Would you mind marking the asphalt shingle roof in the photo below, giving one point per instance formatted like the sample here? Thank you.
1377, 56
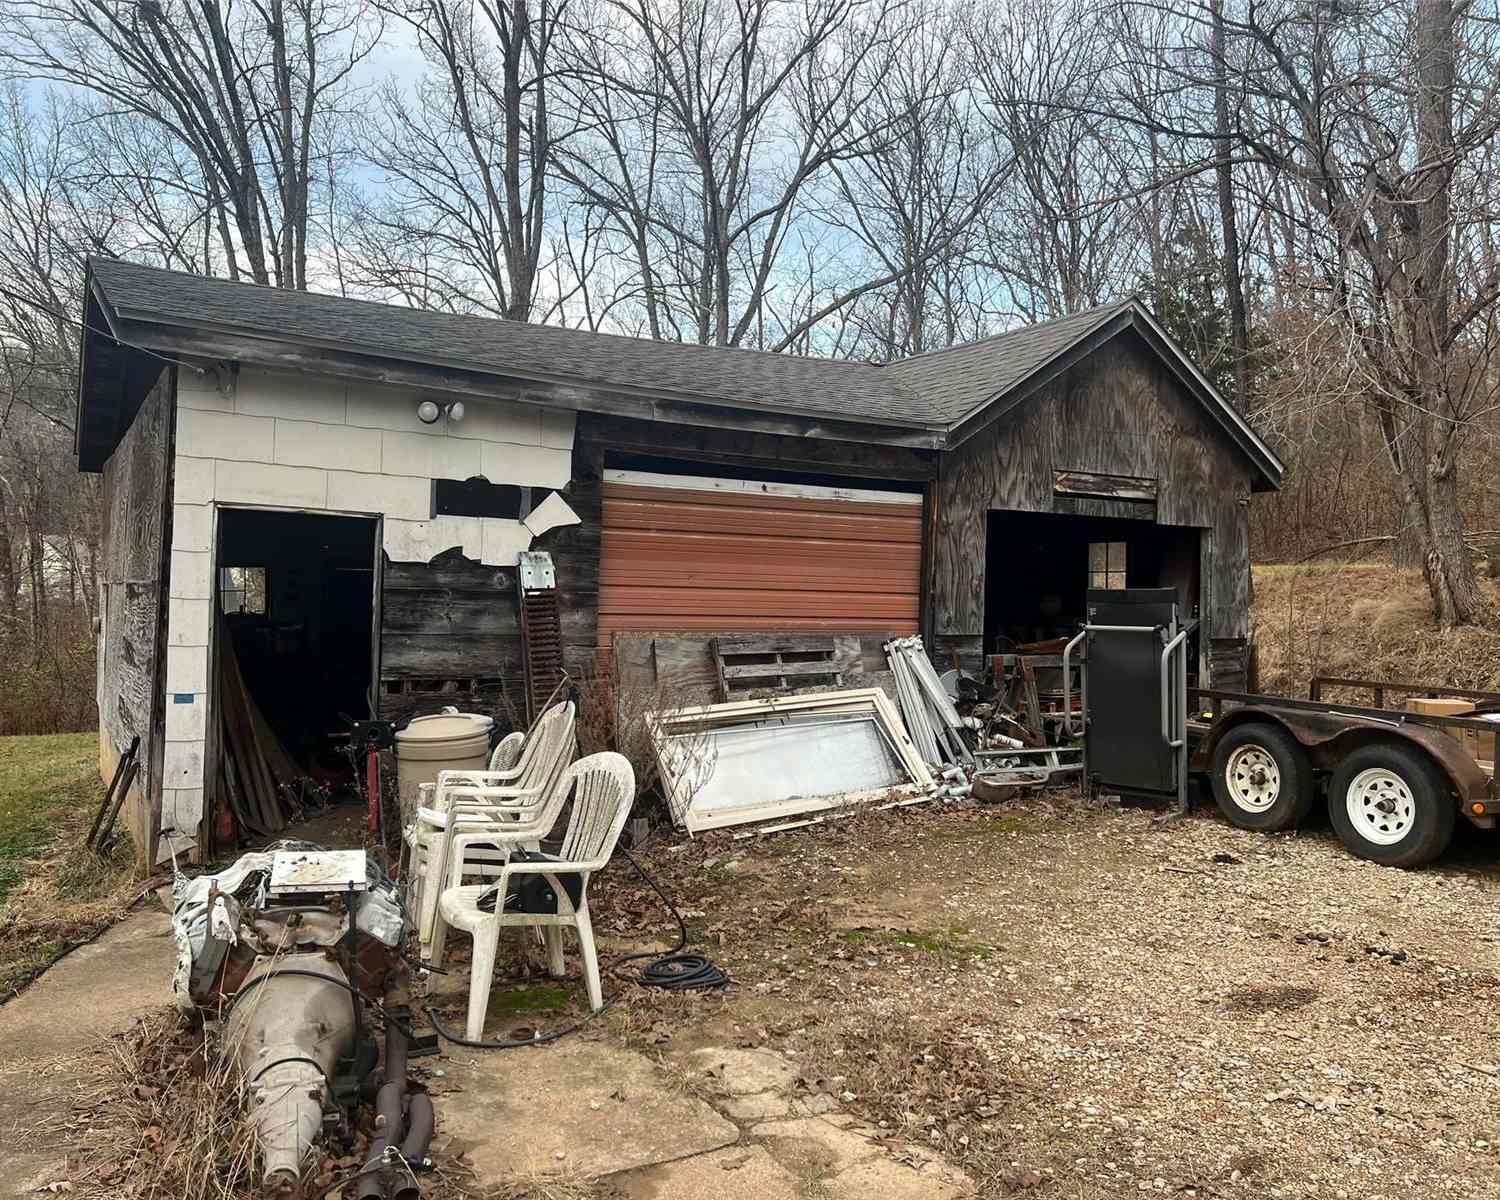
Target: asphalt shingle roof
932, 392
961, 379
756, 379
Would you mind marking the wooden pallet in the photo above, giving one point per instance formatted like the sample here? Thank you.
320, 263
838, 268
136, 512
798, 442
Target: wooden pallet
776, 661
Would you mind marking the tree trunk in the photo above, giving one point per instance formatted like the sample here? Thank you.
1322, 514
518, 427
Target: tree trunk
1234, 286
1433, 477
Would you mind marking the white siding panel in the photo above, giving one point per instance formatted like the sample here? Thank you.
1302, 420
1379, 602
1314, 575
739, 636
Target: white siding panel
312, 444
203, 434
192, 480
190, 575
529, 466
429, 455
557, 428
192, 527
494, 421
406, 498
295, 396
262, 483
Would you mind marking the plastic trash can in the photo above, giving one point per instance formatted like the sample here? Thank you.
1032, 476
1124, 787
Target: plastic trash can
441, 742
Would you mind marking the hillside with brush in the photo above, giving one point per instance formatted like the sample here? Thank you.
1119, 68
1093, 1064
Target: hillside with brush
1366, 621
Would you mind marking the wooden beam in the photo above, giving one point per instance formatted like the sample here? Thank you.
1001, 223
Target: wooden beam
1105, 487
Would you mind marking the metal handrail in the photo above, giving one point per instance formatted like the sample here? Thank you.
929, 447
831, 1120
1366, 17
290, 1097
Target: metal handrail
1067, 675
1166, 706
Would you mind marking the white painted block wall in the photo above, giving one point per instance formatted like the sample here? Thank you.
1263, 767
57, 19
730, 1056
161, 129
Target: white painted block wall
284, 440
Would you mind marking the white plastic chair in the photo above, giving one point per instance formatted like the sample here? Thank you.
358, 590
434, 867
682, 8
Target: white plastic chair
507, 751
448, 837
602, 787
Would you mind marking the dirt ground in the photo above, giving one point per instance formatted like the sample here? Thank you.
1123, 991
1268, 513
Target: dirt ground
1075, 1001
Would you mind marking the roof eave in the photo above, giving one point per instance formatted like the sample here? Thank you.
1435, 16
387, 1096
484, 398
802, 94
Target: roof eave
210, 342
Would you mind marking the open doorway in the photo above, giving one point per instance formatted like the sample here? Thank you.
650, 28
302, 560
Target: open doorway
297, 595
1039, 568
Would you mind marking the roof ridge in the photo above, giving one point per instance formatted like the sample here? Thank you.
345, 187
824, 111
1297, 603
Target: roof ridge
1095, 310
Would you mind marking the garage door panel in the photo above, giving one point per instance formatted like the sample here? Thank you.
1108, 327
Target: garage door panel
686, 601
776, 522
893, 503
746, 562
680, 559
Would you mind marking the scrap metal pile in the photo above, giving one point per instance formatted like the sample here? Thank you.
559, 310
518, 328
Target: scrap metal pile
785, 757
285, 948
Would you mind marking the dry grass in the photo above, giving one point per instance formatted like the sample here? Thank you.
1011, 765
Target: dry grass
1364, 621
164, 1119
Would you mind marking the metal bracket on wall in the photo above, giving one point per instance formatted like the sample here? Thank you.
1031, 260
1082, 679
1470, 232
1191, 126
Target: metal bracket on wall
541, 629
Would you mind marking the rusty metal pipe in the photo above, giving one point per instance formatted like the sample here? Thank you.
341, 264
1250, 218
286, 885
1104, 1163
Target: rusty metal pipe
375, 1179
420, 1122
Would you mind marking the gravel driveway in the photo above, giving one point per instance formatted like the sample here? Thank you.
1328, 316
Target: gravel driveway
1071, 1000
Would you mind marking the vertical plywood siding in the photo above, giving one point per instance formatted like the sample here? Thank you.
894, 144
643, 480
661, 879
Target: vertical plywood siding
1119, 412
680, 559
135, 512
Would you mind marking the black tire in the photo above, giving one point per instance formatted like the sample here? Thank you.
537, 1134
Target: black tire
1421, 808
1262, 778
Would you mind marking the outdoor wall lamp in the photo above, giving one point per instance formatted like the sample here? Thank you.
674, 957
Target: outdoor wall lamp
429, 411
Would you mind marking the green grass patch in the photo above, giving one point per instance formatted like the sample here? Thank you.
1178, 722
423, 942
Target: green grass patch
49, 792
524, 1001
45, 781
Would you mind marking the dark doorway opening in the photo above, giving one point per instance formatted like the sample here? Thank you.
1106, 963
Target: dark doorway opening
297, 593
1039, 567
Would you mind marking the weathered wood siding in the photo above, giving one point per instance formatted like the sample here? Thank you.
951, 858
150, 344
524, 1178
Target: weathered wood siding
454, 621
1119, 412
133, 539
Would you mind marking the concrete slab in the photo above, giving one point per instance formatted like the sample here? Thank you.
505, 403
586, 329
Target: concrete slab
814, 1147
893, 1180
48, 1032
578, 1106
97, 990
743, 1072
763, 1106
739, 1170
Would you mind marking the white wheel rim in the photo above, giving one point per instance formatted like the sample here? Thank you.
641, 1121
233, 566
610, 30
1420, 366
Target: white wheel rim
1380, 806
1252, 778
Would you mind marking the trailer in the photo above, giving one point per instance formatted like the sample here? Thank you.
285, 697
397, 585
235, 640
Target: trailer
1395, 781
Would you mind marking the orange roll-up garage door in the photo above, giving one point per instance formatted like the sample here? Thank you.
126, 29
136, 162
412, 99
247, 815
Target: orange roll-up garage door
682, 554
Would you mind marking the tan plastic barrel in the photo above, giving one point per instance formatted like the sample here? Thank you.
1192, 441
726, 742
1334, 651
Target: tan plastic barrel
440, 742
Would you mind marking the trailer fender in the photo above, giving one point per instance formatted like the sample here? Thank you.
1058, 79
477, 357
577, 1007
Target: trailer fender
1329, 736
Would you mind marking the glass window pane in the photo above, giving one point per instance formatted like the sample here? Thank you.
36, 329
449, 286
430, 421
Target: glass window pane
1116, 579
1097, 559
1117, 556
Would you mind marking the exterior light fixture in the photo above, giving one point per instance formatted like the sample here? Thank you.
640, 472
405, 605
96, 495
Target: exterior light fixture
428, 412
456, 411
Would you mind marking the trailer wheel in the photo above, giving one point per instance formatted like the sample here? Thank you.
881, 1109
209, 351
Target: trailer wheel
1262, 778
1390, 804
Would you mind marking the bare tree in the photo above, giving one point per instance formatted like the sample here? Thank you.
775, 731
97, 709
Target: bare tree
708, 125
915, 205
1375, 126
462, 219
251, 92
1072, 227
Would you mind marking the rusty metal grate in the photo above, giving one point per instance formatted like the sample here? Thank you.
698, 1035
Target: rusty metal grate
541, 638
